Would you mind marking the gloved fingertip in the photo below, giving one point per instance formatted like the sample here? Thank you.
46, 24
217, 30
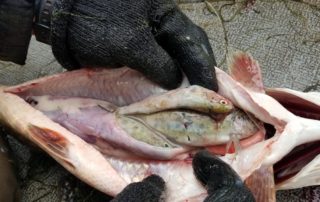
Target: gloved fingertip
188, 44
148, 190
155, 180
212, 171
230, 193
201, 166
222, 182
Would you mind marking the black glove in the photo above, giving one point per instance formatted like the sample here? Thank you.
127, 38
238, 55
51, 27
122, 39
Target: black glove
16, 18
149, 190
151, 36
222, 182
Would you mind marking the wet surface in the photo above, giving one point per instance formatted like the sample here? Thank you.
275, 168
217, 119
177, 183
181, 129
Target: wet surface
284, 36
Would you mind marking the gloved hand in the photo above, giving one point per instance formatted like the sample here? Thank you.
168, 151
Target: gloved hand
149, 190
223, 183
151, 36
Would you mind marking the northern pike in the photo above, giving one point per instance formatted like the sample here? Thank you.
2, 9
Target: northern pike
113, 127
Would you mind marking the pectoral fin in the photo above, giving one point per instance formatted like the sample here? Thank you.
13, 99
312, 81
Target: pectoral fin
261, 184
244, 69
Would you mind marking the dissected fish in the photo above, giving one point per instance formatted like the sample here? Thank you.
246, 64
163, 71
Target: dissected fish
106, 140
113, 127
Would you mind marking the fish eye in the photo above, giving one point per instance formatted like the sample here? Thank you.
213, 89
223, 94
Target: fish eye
223, 102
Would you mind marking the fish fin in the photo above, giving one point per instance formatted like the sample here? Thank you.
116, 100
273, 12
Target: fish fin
52, 142
261, 184
244, 69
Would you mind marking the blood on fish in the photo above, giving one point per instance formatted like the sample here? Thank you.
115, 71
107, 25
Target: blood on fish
49, 137
56, 143
47, 134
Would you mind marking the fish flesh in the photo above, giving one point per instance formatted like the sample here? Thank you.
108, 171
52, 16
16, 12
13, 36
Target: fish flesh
144, 129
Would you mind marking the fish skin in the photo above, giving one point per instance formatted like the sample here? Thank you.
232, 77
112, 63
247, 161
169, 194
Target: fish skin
194, 97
